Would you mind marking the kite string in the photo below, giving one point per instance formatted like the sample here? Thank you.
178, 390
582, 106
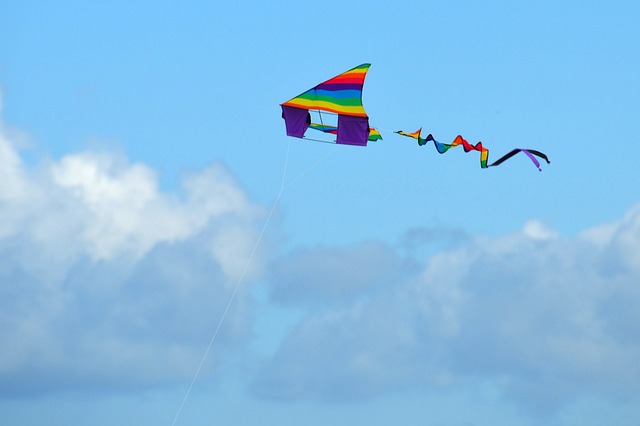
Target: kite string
304, 172
284, 172
235, 291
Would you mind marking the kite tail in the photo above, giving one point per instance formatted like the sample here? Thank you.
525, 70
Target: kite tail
459, 140
531, 153
484, 152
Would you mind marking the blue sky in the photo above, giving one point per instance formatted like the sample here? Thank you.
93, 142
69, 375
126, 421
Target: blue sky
145, 177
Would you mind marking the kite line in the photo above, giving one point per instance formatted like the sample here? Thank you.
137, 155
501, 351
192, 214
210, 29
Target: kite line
283, 187
235, 291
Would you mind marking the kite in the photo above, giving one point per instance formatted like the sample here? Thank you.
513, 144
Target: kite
484, 152
341, 95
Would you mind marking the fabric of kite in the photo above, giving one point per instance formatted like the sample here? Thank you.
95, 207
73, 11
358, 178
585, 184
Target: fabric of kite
484, 152
341, 95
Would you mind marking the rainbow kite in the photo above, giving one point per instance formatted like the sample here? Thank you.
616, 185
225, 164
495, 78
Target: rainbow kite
342, 96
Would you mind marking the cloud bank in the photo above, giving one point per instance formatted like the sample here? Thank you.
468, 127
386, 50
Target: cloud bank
108, 282
545, 320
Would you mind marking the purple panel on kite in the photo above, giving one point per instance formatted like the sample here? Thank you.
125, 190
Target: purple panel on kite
297, 120
353, 130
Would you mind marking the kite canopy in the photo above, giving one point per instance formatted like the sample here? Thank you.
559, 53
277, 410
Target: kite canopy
341, 95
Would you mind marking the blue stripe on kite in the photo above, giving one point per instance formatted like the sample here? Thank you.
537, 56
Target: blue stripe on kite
342, 94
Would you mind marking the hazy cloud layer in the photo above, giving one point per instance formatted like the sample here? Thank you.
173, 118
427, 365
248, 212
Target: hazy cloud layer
544, 319
106, 281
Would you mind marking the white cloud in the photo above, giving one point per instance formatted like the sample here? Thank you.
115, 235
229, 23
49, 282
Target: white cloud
543, 318
107, 281
538, 231
127, 214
